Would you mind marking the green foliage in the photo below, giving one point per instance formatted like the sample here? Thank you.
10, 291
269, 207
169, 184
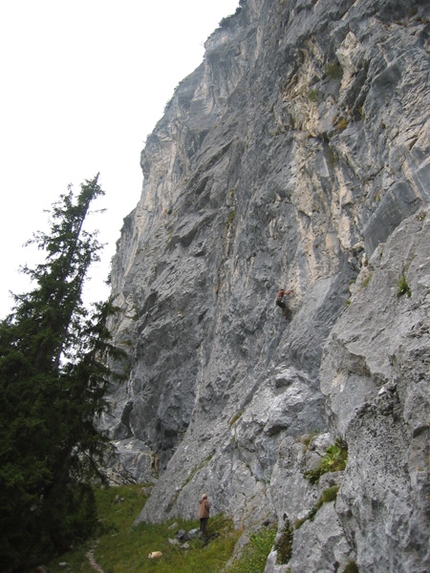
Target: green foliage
284, 543
230, 220
366, 281
351, 567
313, 95
299, 522
52, 383
167, 105
334, 71
332, 157
254, 556
122, 548
403, 287
306, 440
194, 471
228, 20
334, 460
327, 495
235, 418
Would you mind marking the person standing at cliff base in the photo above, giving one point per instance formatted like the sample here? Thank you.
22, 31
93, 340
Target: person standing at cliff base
279, 301
203, 511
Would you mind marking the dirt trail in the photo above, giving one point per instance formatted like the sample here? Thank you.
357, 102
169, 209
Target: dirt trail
93, 563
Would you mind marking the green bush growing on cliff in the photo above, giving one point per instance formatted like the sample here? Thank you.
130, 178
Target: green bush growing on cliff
366, 281
334, 460
334, 71
327, 495
230, 220
313, 95
351, 567
403, 287
254, 555
284, 543
227, 21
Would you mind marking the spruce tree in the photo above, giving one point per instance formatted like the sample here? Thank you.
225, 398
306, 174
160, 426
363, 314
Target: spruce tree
53, 379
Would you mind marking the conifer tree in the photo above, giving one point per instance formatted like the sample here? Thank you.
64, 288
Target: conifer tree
53, 378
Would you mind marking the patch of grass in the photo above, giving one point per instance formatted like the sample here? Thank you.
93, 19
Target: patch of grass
150, 537
332, 157
366, 281
254, 556
306, 440
299, 522
230, 220
334, 460
334, 71
124, 549
351, 567
76, 560
200, 466
235, 418
327, 495
313, 95
284, 544
403, 287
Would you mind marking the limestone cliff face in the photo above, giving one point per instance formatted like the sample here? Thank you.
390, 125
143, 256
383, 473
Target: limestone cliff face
296, 156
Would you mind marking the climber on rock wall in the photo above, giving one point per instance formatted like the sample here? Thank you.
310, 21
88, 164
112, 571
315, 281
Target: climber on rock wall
279, 301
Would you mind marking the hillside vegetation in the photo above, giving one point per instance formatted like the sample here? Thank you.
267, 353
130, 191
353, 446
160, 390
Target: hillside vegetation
121, 548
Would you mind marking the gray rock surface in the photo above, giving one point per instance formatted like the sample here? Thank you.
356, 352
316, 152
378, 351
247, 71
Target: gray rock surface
296, 156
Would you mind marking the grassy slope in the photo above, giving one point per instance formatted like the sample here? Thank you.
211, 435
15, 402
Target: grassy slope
123, 549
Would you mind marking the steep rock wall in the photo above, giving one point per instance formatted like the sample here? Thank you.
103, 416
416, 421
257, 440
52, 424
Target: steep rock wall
290, 157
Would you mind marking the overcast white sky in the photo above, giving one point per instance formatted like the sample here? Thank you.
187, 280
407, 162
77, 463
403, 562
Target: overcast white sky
83, 82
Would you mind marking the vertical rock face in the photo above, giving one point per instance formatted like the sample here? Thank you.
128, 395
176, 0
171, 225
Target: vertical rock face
296, 156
